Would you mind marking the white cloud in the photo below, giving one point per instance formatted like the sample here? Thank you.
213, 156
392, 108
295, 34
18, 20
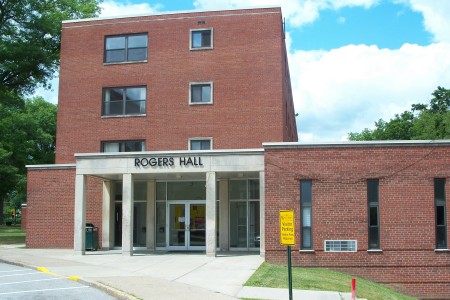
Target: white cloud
347, 89
436, 16
112, 8
296, 12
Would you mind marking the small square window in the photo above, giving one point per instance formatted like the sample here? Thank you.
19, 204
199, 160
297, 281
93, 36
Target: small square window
201, 93
201, 39
200, 144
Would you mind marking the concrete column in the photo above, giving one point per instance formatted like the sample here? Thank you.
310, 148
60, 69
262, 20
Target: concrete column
127, 215
106, 215
80, 215
211, 214
224, 234
112, 215
262, 214
151, 198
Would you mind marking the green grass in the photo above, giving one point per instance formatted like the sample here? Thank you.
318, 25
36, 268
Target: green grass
11, 235
274, 276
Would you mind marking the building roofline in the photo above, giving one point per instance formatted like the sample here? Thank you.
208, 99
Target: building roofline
358, 144
51, 167
166, 13
259, 151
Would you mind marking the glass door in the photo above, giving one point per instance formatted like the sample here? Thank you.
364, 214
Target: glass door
177, 225
197, 226
187, 226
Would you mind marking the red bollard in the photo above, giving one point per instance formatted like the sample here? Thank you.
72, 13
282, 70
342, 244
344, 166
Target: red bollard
353, 289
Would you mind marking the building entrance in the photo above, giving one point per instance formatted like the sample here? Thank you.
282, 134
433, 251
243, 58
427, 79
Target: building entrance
187, 224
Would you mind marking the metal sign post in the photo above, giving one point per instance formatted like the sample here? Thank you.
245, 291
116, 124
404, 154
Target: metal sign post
287, 237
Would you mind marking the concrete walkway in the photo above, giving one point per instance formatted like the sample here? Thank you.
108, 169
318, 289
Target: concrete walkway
153, 275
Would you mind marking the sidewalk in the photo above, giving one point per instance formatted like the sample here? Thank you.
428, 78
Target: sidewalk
154, 275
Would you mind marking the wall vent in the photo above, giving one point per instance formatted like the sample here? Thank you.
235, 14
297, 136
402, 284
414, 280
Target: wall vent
340, 245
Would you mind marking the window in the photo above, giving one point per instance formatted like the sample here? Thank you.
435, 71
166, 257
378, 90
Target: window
200, 144
441, 222
200, 93
201, 39
340, 246
373, 213
306, 214
123, 146
124, 101
126, 48
244, 213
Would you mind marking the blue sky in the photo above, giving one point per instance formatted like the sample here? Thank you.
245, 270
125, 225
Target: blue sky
352, 61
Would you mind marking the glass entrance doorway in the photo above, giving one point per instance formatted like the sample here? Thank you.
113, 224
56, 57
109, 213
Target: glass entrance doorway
187, 225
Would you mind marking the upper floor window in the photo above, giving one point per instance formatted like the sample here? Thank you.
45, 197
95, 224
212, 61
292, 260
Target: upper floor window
123, 101
200, 144
201, 39
123, 146
126, 48
200, 93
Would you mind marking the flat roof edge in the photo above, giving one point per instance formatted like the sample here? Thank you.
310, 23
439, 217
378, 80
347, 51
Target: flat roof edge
51, 167
258, 151
167, 13
360, 144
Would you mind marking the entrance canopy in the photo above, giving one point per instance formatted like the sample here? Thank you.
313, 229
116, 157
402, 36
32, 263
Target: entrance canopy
210, 166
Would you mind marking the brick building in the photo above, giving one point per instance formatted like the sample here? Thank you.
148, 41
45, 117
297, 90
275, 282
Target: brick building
151, 110
372, 209
160, 132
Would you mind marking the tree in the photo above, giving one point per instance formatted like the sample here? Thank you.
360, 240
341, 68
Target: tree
30, 35
424, 122
28, 137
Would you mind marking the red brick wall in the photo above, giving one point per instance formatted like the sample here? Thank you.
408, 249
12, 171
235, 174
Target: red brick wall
23, 218
339, 194
246, 67
50, 207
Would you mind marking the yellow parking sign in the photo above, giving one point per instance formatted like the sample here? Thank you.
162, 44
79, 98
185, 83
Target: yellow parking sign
287, 232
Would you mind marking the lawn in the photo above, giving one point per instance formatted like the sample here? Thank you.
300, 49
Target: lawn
11, 235
274, 276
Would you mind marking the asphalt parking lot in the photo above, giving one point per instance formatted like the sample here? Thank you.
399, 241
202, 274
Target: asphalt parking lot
25, 283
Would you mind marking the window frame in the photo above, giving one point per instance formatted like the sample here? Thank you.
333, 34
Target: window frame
206, 83
126, 48
304, 205
121, 145
124, 102
440, 202
191, 39
210, 139
373, 204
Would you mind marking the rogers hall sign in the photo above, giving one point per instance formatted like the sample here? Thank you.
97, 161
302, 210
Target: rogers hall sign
183, 161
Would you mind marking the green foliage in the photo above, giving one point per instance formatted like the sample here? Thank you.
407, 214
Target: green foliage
27, 137
274, 276
30, 35
424, 122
